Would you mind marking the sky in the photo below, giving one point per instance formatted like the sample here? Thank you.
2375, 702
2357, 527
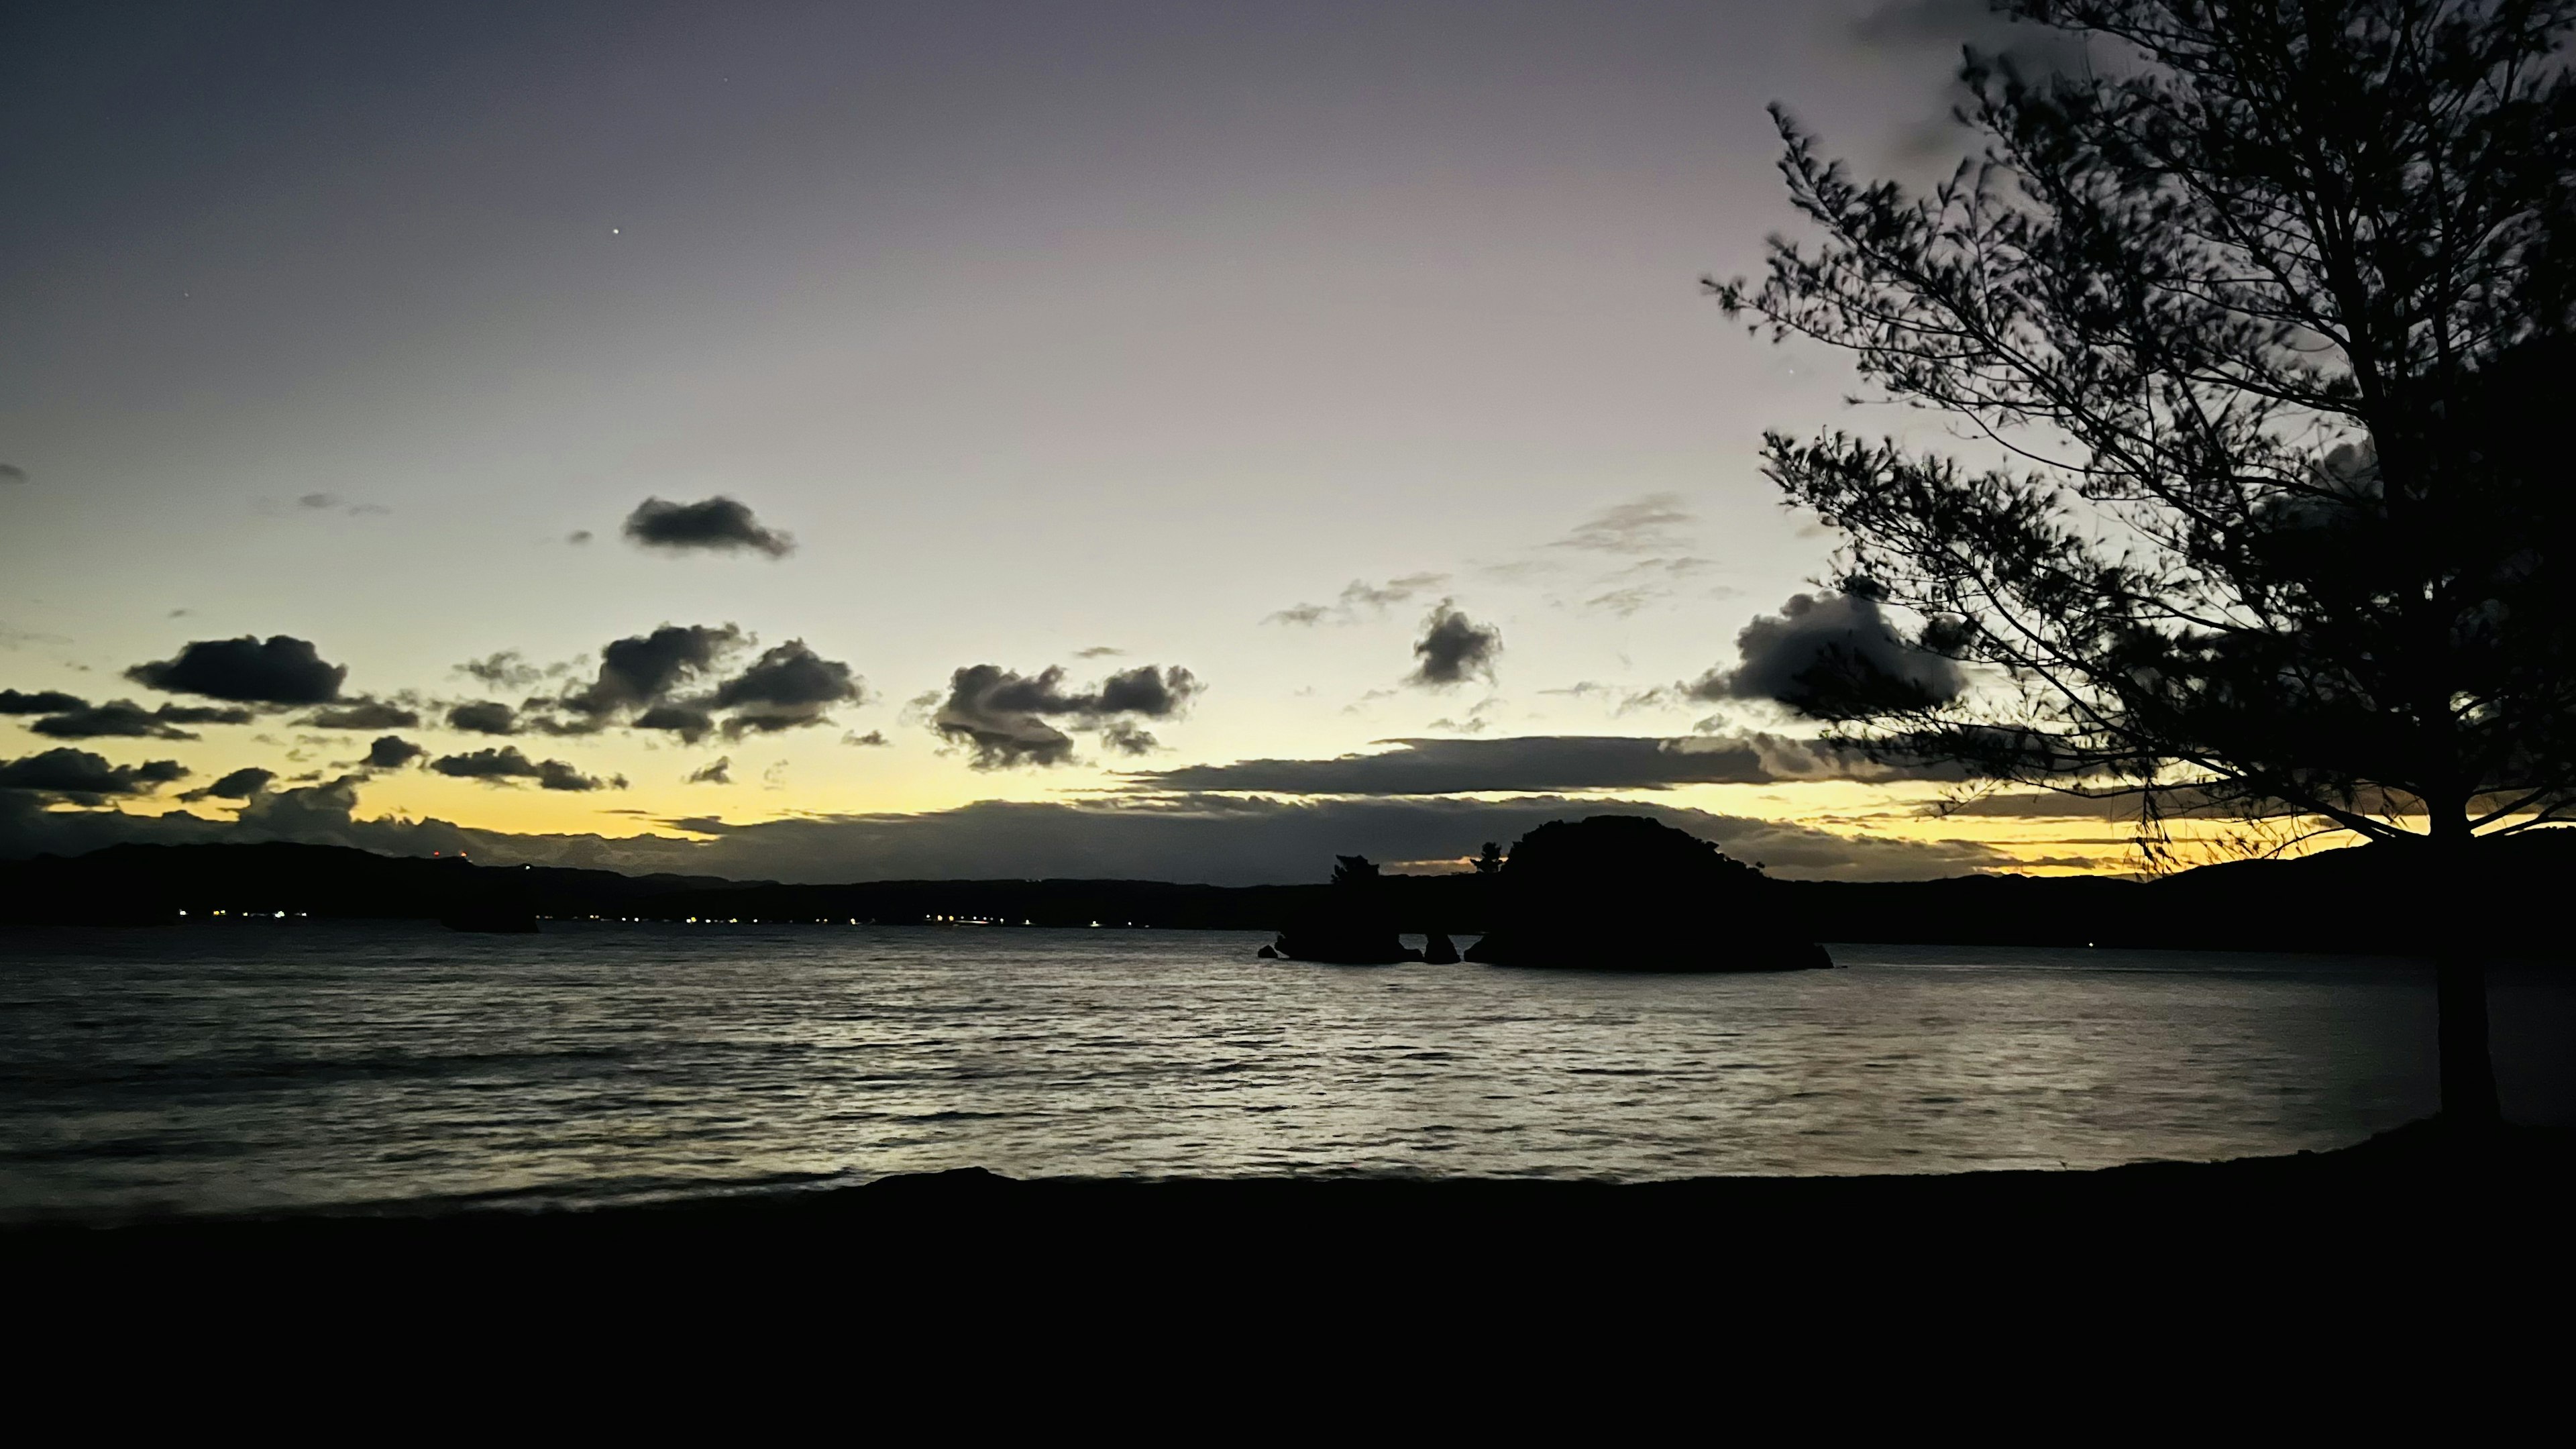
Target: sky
1009, 439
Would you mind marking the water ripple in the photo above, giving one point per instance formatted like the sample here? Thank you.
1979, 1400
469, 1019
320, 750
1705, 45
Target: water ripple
313, 1065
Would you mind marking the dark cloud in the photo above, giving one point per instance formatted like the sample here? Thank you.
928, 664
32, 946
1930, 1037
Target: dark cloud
1123, 738
1647, 525
319, 503
282, 671
241, 784
1543, 763
392, 752
789, 686
484, 717
1235, 841
504, 764
1098, 651
718, 773
501, 763
717, 523
202, 715
1453, 649
1361, 595
363, 714
1004, 716
43, 701
510, 669
641, 670
560, 775
1222, 840
82, 776
579, 536
12, 473
124, 719
1144, 691
873, 739
689, 722
1944, 24
1942, 28
1833, 656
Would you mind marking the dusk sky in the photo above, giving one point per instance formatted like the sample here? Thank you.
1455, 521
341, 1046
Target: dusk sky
1297, 380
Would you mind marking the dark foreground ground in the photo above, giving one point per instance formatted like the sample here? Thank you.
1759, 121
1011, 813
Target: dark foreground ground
2412, 1217
2414, 1288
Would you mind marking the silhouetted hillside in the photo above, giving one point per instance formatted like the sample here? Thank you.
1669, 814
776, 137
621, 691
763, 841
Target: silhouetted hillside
2337, 901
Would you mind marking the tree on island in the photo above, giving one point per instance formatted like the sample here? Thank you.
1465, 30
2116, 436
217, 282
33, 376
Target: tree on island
2253, 327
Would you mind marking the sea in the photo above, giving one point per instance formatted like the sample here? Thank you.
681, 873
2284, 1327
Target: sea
302, 1065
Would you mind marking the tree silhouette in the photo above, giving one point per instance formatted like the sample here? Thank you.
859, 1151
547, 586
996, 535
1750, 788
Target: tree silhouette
2253, 329
1489, 861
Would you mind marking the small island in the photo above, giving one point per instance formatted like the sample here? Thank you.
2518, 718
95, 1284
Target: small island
1605, 893
1625, 893
1352, 925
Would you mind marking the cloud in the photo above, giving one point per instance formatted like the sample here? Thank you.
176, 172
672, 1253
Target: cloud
1360, 595
504, 764
560, 775
12, 473
719, 524
1221, 840
43, 701
1453, 649
1832, 656
319, 503
363, 714
784, 688
1647, 525
1098, 651
718, 773
690, 723
1394, 591
579, 536
484, 717
873, 739
1237, 842
392, 752
510, 669
1909, 27
1532, 763
282, 671
1003, 716
640, 670
241, 784
124, 719
82, 776
1120, 737
1645, 582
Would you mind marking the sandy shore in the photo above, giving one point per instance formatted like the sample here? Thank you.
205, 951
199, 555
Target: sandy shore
2415, 1194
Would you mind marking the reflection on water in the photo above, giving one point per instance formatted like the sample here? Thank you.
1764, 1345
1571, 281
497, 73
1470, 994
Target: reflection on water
306, 1063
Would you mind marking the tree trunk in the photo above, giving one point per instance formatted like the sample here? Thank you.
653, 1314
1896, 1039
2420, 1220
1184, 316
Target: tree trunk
2460, 982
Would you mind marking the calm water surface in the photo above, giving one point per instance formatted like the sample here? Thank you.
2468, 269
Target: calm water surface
222, 1068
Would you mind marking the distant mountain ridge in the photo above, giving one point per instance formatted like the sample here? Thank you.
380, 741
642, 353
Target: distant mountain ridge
2333, 901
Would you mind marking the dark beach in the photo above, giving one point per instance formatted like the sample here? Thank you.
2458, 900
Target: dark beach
2432, 1212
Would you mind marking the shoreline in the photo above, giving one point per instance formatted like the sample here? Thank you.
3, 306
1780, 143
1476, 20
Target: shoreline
2421, 1158
2413, 1221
